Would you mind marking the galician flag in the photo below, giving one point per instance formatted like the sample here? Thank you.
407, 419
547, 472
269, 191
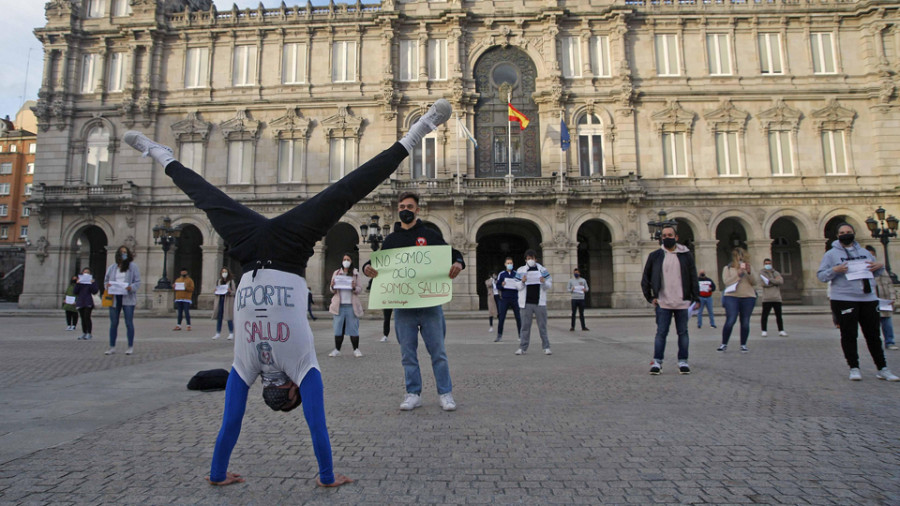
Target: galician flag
515, 115
463, 132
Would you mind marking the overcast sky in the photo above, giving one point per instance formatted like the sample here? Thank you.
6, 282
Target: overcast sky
20, 49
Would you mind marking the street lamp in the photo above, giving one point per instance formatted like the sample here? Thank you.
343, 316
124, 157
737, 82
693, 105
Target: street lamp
884, 233
656, 226
165, 235
372, 234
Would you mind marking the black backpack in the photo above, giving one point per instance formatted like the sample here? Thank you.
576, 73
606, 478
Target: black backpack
209, 381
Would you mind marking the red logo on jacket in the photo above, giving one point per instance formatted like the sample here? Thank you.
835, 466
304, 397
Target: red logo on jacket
421, 242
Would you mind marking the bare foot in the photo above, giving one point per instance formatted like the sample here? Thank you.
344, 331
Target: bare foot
339, 479
230, 478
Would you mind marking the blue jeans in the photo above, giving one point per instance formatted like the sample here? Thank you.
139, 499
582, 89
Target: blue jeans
221, 314
705, 302
501, 315
430, 320
734, 307
663, 321
887, 329
114, 322
183, 307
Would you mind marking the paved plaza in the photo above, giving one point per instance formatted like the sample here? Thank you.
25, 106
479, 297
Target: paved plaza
587, 425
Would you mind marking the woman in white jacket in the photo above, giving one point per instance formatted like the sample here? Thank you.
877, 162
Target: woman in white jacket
346, 308
534, 283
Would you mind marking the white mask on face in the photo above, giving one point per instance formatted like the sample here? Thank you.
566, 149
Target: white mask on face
530, 262
346, 264
224, 275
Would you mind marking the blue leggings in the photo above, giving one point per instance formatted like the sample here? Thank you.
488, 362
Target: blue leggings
312, 393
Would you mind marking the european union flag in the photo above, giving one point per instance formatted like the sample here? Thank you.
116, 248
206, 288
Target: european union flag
563, 135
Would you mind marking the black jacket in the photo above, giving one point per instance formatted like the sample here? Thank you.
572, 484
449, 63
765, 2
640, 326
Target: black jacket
652, 278
418, 235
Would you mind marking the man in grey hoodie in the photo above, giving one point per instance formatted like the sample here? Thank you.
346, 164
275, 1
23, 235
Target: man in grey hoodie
851, 270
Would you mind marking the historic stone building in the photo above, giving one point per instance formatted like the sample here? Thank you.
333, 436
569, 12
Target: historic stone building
750, 122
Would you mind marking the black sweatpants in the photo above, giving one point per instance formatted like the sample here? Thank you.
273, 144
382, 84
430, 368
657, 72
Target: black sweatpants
578, 304
864, 315
767, 308
87, 326
387, 321
71, 318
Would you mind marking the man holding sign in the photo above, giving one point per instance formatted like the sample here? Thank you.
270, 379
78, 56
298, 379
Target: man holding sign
534, 283
417, 300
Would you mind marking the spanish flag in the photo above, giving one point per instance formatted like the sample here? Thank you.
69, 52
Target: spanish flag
515, 115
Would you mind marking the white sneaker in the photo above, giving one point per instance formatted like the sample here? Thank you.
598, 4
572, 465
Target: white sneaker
782, 333
548, 352
491, 329
411, 402
764, 333
143, 144
334, 353
438, 114
215, 337
520, 351
383, 339
886, 374
855, 375
231, 337
447, 402
357, 353
129, 351
111, 351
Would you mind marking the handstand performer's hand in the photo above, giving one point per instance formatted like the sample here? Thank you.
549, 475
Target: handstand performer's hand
229, 479
339, 479
370, 272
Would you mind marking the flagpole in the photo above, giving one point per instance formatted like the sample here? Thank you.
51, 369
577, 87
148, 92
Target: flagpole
509, 140
562, 159
457, 152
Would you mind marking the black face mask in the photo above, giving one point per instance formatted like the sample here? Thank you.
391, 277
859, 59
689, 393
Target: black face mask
669, 242
847, 239
407, 216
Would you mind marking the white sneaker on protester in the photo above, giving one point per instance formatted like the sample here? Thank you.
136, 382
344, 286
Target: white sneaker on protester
410, 402
782, 333
142, 143
383, 339
215, 337
231, 337
111, 351
855, 374
764, 334
438, 114
357, 353
886, 374
490, 329
548, 352
447, 402
334, 353
520, 351
129, 351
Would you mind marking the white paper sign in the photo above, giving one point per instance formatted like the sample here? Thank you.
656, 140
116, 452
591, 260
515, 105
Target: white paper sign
117, 287
692, 309
885, 305
509, 284
532, 278
221, 290
85, 279
858, 269
70, 299
764, 279
343, 282
731, 288
578, 288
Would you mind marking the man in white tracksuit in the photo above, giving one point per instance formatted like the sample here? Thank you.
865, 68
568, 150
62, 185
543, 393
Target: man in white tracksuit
534, 283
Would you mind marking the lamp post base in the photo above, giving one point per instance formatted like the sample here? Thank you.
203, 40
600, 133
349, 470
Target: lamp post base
163, 284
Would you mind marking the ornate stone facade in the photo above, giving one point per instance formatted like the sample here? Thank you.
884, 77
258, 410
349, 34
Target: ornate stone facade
751, 123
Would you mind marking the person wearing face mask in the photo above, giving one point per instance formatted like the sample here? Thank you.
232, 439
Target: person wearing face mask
577, 287
771, 297
852, 271
223, 305
68, 305
884, 289
346, 308
739, 297
669, 283
534, 283
508, 286
492, 296
707, 287
86, 289
127, 277
184, 291
429, 320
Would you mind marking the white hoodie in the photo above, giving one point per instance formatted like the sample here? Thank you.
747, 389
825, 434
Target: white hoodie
545, 284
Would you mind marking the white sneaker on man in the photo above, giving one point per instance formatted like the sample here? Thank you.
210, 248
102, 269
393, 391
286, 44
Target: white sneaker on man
855, 374
383, 339
357, 353
782, 333
886, 374
162, 154
231, 337
130, 350
410, 402
334, 353
764, 334
447, 402
216, 336
111, 351
520, 351
547, 351
490, 329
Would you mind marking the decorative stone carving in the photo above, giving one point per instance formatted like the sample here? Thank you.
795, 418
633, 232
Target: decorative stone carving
727, 118
510, 206
562, 210
42, 249
633, 240
130, 242
192, 127
342, 125
459, 211
673, 118
706, 214
291, 125
780, 117
833, 117
760, 214
130, 216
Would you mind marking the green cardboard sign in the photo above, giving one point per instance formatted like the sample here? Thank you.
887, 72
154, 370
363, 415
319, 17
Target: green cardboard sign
412, 277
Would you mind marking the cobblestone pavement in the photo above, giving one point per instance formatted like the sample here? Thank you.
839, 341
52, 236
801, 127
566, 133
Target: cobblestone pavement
779, 425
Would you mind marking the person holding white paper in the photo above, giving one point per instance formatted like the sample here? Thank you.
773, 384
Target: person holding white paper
535, 283
740, 301
509, 298
854, 301
69, 305
346, 306
184, 293
86, 298
223, 306
884, 289
771, 298
577, 286
125, 275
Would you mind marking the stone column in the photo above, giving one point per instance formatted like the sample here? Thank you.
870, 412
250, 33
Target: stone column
365, 253
628, 265
213, 260
759, 250
706, 258
314, 271
811, 252
465, 295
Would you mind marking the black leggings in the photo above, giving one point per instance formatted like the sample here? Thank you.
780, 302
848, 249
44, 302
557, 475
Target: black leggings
768, 307
86, 325
71, 318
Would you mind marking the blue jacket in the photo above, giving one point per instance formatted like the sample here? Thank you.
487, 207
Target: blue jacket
508, 294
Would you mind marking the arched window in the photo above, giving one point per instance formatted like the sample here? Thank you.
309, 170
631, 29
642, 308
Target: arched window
590, 145
97, 168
